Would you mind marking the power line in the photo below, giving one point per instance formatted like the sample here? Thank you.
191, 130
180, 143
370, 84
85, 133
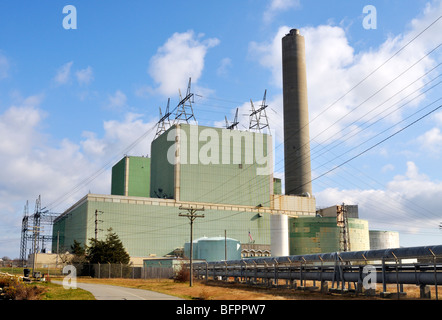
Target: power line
377, 144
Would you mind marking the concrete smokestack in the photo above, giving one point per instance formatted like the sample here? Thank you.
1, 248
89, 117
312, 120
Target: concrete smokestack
296, 120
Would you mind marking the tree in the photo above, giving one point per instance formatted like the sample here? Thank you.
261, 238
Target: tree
79, 253
110, 250
77, 249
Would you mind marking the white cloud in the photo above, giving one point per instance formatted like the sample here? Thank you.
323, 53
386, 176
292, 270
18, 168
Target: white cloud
61, 171
277, 6
409, 203
431, 141
85, 76
438, 118
64, 73
224, 66
17, 125
117, 101
332, 60
180, 58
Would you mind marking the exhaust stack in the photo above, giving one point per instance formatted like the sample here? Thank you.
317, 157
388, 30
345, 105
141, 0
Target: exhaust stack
296, 120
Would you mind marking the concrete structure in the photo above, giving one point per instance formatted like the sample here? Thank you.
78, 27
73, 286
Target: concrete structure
383, 239
296, 119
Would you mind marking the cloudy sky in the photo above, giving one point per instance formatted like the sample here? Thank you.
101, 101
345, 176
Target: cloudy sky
74, 101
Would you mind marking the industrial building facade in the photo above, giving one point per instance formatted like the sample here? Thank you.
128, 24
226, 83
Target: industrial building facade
235, 188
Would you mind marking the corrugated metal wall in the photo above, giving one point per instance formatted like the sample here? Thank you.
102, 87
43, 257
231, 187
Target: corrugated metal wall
146, 227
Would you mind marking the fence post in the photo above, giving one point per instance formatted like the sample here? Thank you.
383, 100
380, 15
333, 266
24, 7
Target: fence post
276, 273
207, 271
435, 272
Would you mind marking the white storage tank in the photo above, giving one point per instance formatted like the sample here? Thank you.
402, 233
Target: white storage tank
383, 239
279, 235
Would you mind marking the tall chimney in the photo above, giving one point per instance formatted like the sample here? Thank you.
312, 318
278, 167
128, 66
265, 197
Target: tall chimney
296, 123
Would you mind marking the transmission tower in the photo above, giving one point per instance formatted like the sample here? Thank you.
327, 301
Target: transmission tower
234, 124
184, 110
258, 119
342, 223
164, 122
34, 235
24, 233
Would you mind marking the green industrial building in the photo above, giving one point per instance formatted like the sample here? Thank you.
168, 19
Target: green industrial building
227, 173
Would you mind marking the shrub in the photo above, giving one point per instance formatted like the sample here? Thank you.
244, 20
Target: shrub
183, 274
13, 289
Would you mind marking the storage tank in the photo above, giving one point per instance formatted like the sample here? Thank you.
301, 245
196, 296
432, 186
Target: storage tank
308, 235
214, 249
279, 235
383, 239
195, 248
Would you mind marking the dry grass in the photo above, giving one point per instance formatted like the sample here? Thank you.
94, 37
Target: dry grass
235, 291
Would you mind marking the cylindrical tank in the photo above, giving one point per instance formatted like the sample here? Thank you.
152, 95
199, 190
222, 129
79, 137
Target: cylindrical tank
383, 239
296, 120
279, 235
310, 235
194, 249
215, 249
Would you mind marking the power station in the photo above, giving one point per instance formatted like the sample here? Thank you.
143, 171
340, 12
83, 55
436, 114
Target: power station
229, 174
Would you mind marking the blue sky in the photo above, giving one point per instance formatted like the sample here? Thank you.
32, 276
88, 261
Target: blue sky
72, 101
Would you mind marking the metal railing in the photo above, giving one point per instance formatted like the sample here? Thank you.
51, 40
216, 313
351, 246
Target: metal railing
421, 266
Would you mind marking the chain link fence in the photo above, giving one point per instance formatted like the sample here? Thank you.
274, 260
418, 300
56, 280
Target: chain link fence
109, 270
100, 270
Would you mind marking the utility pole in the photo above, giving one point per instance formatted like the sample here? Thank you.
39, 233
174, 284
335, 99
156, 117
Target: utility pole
58, 247
225, 245
191, 214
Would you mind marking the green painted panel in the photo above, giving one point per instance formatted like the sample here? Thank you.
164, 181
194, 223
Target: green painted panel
139, 177
162, 171
118, 178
